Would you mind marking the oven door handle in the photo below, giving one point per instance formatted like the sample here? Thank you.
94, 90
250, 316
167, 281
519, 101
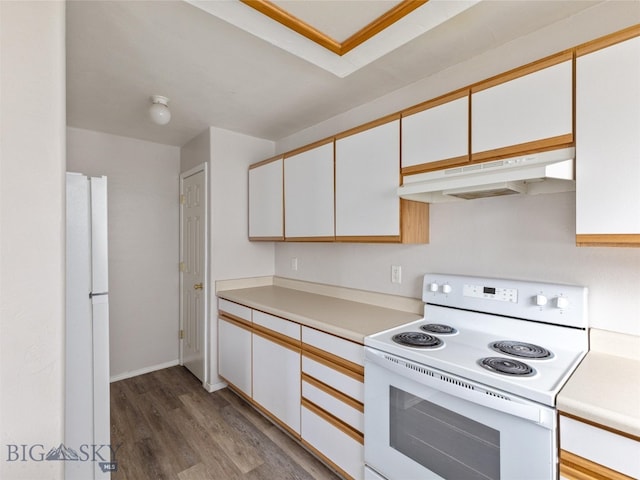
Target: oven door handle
460, 388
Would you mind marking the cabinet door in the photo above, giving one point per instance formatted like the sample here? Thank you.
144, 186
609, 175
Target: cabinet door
367, 179
437, 136
308, 194
234, 354
266, 201
589, 452
533, 111
608, 145
276, 380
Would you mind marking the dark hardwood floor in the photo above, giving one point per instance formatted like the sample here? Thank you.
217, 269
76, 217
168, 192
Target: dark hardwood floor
166, 426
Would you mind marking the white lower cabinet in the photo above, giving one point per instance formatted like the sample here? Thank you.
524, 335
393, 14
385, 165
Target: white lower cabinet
234, 354
276, 380
342, 450
309, 382
591, 453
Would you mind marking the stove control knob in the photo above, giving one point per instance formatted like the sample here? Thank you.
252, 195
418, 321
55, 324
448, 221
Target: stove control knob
562, 302
433, 287
540, 300
446, 288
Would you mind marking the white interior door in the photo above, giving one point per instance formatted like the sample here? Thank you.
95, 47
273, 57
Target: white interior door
194, 289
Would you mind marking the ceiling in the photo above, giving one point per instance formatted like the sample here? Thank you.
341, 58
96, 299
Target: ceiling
224, 64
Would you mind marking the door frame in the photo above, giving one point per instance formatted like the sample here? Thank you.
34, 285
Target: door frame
205, 290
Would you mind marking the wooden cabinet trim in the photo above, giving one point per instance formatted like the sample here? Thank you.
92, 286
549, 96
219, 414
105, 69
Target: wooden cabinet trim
543, 145
267, 239
306, 148
330, 360
518, 72
265, 162
339, 424
574, 467
437, 165
608, 40
608, 240
333, 392
276, 337
240, 322
414, 221
600, 426
309, 239
368, 126
369, 239
434, 102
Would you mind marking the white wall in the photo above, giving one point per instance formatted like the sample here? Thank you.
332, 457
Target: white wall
196, 151
232, 255
143, 189
518, 237
32, 158
531, 238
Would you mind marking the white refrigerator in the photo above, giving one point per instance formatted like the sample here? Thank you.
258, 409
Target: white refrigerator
87, 452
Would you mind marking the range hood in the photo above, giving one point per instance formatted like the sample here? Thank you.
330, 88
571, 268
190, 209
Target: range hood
545, 172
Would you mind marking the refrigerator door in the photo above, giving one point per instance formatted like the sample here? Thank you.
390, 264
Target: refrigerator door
87, 421
99, 268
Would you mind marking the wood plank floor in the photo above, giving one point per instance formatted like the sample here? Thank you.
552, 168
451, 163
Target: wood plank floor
168, 427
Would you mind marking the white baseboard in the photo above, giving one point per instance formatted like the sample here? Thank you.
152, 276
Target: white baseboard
142, 371
215, 386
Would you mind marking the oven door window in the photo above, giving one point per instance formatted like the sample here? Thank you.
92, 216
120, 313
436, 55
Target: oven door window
447, 443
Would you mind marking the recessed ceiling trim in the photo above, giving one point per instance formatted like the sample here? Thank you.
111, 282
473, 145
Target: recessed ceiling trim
379, 24
425, 16
283, 17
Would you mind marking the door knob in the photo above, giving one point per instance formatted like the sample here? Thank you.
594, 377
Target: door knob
198, 286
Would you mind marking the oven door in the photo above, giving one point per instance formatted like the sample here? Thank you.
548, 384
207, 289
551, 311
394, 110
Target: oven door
423, 423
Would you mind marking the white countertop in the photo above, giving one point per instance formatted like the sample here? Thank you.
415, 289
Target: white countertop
344, 318
605, 389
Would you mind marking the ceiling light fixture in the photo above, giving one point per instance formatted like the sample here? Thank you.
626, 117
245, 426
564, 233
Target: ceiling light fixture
159, 111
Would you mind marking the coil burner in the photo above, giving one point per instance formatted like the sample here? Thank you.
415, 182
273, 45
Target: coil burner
439, 329
521, 349
417, 339
506, 366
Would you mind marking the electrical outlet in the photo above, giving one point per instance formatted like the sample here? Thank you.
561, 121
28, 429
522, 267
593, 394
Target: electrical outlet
294, 263
396, 274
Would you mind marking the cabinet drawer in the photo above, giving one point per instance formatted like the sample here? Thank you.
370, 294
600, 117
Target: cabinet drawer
234, 309
350, 351
600, 446
331, 442
277, 324
335, 379
347, 413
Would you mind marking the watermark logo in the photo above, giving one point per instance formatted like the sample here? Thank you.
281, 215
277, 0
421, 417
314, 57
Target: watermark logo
104, 455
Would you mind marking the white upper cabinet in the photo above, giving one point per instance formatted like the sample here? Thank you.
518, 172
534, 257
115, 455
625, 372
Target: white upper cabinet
367, 178
308, 194
266, 201
608, 143
525, 110
437, 134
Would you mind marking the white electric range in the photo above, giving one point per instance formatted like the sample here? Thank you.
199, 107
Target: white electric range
469, 391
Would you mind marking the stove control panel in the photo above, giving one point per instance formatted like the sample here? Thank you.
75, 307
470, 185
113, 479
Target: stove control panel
491, 293
544, 302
